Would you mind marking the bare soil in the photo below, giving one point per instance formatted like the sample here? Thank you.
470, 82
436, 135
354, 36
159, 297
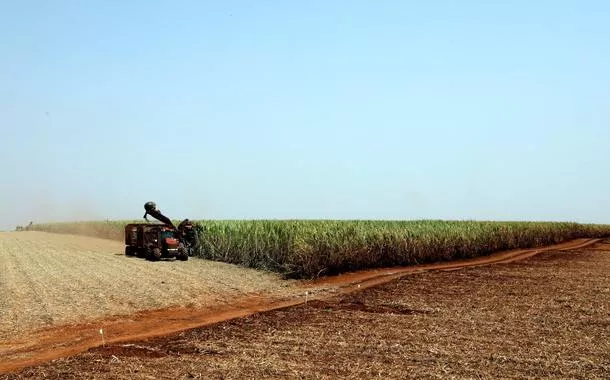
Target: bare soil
547, 316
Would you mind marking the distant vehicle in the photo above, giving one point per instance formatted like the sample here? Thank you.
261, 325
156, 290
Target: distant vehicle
26, 228
158, 241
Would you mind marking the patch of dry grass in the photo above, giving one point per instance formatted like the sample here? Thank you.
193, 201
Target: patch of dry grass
50, 279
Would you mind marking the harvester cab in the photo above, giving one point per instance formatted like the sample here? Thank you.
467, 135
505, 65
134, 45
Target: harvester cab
155, 241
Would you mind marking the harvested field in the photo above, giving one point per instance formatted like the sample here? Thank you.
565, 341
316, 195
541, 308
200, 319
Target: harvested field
545, 317
50, 279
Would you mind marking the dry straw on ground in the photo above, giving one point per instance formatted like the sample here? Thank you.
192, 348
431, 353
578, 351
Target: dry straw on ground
52, 279
544, 318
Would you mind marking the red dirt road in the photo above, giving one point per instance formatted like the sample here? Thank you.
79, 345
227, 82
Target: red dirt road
62, 341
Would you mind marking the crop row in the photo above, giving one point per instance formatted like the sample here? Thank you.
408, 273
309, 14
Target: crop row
310, 248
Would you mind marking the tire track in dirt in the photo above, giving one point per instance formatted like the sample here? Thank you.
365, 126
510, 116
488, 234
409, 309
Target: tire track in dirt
63, 341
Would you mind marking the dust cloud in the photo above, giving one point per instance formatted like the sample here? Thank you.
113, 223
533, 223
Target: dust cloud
45, 208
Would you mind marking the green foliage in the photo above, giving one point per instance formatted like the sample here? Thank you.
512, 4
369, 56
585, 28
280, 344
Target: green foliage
310, 248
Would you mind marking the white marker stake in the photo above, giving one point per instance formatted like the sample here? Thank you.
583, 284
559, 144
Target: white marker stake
102, 334
306, 294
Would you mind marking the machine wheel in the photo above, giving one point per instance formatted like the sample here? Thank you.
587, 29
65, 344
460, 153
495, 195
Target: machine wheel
182, 253
154, 254
140, 252
129, 251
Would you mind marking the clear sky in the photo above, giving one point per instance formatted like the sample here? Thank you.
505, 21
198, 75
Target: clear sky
305, 109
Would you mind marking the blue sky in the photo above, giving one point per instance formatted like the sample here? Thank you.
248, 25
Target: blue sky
305, 109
